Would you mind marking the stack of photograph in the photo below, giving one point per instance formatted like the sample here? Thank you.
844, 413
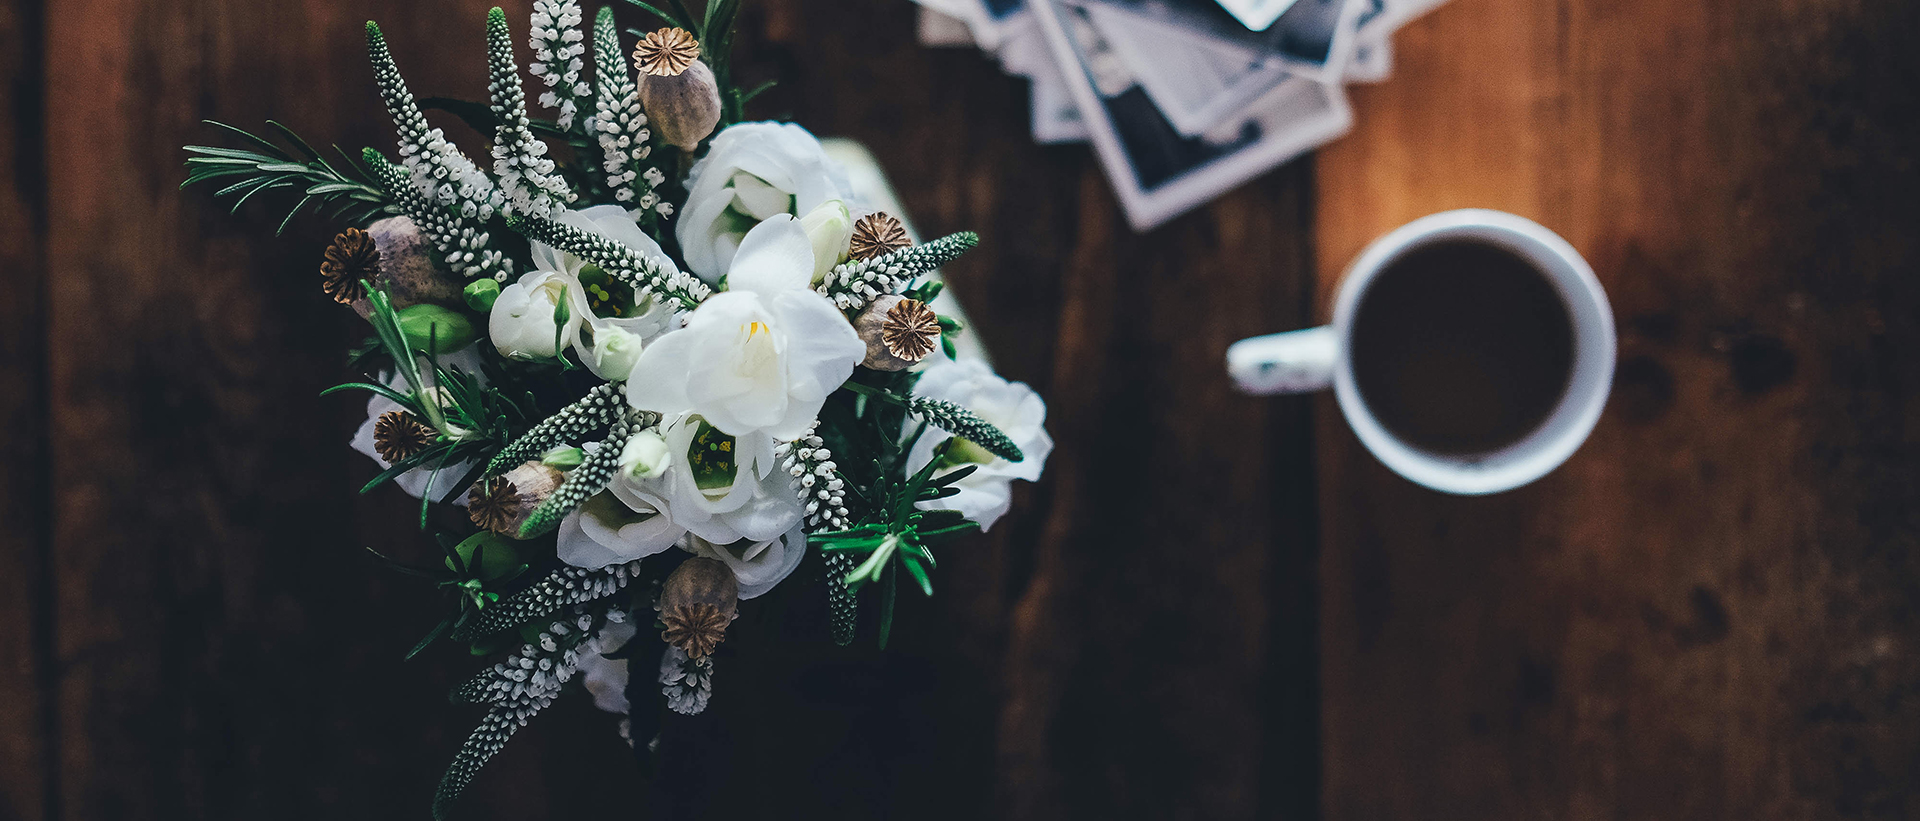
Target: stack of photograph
1183, 100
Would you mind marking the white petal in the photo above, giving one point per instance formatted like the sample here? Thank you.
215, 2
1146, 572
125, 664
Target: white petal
777, 255
659, 380
755, 198
822, 352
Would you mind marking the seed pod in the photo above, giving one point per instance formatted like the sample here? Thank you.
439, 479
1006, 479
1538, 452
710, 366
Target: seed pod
898, 332
406, 268
681, 98
503, 503
697, 603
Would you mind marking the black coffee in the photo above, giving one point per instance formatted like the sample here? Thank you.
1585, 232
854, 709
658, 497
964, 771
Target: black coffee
1461, 347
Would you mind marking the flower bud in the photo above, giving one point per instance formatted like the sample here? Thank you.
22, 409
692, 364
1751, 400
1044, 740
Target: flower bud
830, 226
496, 554
646, 455
698, 601
564, 457
681, 98
613, 353
481, 293
433, 328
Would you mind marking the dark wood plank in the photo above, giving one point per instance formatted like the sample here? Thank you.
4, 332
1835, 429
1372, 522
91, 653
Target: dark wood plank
1708, 612
25, 736
1147, 608
226, 648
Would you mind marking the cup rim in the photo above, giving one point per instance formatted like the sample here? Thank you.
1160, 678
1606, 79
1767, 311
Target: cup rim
1589, 383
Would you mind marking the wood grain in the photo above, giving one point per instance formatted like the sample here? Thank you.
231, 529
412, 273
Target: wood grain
1708, 612
226, 648
25, 735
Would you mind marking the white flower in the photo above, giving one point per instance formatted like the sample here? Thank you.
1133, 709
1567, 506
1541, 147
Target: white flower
753, 171
760, 357
645, 456
722, 488
446, 487
1010, 406
757, 565
830, 226
522, 322
606, 678
627, 522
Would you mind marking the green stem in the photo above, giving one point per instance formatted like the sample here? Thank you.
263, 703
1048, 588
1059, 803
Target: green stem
888, 589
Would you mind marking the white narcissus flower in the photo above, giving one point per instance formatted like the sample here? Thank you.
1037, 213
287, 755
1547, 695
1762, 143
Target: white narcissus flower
757, 565
1010, 406
724, 488
522, 324
760, 357
752, 171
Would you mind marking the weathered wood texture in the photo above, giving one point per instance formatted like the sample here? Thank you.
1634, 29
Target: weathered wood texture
25, 743
1135, 640
1709, 612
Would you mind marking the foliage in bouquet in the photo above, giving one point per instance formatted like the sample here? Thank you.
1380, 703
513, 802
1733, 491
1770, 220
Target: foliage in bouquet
656, 353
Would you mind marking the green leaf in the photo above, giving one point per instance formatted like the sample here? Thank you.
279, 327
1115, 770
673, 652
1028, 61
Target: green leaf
389, 393
918, 573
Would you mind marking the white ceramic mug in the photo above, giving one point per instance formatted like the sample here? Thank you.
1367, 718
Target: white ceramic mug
1313, 359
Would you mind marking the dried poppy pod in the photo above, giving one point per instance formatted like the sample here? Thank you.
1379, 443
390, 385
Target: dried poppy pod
398, 435
898, 332
503, 503
877, 234
699, 600
392, 254
679, 93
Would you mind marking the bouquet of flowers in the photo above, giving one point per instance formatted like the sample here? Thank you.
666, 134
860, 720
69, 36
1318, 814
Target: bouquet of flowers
656, 366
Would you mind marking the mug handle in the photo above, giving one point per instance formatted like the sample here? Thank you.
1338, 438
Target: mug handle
1292, 362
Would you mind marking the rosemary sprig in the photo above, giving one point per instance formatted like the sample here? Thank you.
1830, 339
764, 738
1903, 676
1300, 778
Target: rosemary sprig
339, 189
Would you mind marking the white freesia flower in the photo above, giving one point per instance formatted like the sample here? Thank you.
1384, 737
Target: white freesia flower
1010, 406
752, 172
628, 521
522, 324
414, 482
760, 357
724, 489
757, 565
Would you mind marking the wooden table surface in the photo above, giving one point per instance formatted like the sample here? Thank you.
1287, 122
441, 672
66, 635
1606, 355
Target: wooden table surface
1215, 606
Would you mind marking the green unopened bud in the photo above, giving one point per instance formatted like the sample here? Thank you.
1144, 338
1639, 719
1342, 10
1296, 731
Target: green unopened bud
481, 293
830, 228
646, 455
435, 328
564, 458
496, 554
